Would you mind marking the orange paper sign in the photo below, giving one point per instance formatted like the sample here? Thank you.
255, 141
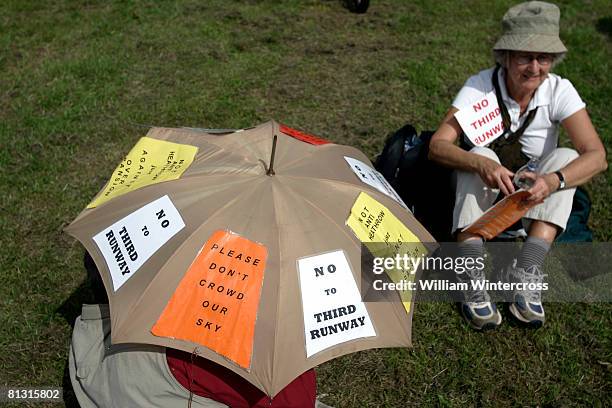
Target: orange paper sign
502, 215
216, 303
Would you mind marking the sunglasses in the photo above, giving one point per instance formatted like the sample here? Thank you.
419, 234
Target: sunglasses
543, 59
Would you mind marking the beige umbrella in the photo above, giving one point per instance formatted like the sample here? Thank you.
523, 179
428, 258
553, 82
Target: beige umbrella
215, 244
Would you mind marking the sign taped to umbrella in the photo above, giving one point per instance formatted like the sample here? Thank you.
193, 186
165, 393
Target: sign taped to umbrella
304, 137
150, 161
373, 178
128, 243
371, 221
216, 303
333, 310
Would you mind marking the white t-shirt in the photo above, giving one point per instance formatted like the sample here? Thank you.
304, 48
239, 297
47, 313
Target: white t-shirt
557, 100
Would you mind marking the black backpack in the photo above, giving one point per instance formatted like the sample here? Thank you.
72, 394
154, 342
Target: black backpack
577, 229
425, 186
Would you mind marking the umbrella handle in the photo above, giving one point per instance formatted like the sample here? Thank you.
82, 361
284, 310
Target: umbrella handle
270, 171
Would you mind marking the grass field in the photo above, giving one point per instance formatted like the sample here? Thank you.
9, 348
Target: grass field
80, 82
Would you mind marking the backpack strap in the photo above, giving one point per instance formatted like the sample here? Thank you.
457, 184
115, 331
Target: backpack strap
513, 136
507, 147
500, 101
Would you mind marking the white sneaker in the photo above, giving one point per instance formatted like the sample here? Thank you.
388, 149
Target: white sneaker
527, 304
476, 308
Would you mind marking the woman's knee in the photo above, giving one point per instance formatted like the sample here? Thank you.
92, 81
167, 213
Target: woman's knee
558, 159
566, 154
486, 152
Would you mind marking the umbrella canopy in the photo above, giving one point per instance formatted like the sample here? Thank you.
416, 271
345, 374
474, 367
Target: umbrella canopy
203, 247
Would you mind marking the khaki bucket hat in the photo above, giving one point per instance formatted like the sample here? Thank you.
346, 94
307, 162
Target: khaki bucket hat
532, 26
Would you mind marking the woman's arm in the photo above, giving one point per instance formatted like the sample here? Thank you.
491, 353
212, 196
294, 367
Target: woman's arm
442, 149
591, 160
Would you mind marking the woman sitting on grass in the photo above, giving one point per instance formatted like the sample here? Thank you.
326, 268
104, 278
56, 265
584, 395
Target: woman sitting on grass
536, 102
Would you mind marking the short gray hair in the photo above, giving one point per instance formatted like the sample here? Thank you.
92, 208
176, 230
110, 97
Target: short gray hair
502, 57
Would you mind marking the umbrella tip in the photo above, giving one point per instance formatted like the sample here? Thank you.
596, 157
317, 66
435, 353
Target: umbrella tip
270, 171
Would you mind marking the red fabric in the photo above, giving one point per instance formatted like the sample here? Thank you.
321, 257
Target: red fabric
304, 137
213, 381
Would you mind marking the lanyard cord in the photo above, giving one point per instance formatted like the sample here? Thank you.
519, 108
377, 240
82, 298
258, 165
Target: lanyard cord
512, 136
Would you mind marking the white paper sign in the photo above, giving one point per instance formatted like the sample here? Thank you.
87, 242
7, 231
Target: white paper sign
481, 120
333, 310
373, 178
129, 242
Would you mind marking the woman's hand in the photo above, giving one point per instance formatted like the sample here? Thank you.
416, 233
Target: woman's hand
543, 186
494, 175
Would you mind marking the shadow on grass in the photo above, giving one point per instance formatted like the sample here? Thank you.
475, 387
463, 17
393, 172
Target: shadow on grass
70, 310
70, 399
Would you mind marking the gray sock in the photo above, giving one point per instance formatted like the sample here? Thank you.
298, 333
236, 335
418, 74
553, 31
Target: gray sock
472, 248
533, 253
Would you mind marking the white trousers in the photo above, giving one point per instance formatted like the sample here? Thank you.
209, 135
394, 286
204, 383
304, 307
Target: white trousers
473, 197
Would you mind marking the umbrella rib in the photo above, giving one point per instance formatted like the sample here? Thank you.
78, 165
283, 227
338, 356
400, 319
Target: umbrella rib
216, 141
352, 238
299, 159
320, 211
90, 216
278, 302
253, 155
315, 151
371, 190
360, 189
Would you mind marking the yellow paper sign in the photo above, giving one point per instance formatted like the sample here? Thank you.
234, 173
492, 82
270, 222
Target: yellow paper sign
150, 161
372, 222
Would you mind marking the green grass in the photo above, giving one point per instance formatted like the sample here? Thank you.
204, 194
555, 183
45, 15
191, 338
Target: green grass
81, 81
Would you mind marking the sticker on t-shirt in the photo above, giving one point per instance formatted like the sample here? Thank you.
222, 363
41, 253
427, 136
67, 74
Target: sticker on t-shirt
481, 120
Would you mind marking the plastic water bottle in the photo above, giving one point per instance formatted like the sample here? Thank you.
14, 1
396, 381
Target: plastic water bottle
531, 166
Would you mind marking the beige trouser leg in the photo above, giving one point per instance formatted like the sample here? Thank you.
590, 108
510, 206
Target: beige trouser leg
125, 375
473, 197
557, 207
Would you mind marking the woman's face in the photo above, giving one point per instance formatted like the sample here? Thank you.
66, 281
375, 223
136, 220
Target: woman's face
527, 70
